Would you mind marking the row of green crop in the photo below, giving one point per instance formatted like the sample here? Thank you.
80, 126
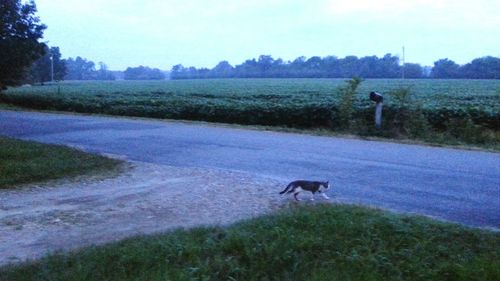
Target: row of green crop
452, 94
300, 115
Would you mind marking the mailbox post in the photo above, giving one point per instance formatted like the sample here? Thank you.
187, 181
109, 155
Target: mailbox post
378, 99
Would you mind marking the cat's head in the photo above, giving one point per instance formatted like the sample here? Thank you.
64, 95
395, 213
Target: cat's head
326, 184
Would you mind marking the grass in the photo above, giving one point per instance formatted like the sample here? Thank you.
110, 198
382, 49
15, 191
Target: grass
23, 162
321, 242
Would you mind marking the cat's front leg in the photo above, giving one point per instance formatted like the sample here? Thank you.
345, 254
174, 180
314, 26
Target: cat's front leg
325, 196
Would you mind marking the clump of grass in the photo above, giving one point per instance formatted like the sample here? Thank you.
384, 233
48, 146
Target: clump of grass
322, 242
24, 162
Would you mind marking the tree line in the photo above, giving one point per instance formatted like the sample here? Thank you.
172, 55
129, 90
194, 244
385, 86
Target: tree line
50, 67
83, 69
387, 66
24, 59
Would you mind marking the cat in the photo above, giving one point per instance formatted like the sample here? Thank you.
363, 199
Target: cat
296, 187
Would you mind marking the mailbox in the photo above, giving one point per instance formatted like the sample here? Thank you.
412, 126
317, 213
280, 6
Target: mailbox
376, 97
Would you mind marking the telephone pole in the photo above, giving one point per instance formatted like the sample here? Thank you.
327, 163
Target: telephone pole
51, 68
403, 68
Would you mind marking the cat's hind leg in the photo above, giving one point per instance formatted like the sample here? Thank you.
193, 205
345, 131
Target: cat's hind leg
295, 196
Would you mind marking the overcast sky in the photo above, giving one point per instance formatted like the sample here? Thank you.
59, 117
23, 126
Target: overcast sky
162, 33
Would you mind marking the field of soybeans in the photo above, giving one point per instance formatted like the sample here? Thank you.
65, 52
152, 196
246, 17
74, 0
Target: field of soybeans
298, 103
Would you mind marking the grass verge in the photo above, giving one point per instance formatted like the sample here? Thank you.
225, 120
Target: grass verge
322, 242
24, 162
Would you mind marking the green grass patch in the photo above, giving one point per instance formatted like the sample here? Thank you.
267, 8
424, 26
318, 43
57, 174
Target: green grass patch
24, 162
322, 242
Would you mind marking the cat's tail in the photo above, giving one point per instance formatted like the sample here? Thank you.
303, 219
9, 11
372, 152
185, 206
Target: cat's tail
286, 189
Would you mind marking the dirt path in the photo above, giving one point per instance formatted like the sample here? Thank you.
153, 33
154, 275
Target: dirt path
147, 198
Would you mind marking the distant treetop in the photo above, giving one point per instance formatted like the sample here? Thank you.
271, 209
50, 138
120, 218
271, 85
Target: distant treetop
143, 73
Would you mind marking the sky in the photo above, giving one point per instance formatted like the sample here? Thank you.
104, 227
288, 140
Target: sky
201, 33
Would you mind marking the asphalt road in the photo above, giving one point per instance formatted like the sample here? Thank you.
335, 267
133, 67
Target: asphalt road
456, 185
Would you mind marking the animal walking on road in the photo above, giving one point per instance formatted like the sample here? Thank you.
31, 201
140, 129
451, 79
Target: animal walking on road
296, 187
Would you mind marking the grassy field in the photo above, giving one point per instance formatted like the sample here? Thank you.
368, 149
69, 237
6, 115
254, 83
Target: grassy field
322, 242
466, 110
24, 162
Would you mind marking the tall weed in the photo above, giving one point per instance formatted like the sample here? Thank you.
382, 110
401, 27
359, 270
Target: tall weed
346, 105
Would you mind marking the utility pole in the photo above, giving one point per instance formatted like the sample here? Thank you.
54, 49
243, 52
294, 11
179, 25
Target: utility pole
51, 68
403, 68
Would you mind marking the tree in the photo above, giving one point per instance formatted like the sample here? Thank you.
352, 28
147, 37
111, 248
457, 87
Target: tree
264, 65
369, 67
41, 70
445, 68
314, 67
20, 31
332, 66
296, 67
248, 69
103, 73
80, 69
413, 70
482, 68
143, 73
349, 67
60, 69
223, 69
389, 65
177, 72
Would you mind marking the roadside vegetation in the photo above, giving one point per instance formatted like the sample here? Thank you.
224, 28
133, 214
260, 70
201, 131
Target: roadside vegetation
23, 162
453, 112
408, 118
320, 242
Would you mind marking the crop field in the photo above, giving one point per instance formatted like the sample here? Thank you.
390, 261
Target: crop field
299, 103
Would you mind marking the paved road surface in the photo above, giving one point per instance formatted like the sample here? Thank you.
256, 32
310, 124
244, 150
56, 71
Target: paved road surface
456, 185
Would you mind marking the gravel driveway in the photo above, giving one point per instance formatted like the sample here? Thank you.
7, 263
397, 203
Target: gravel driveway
146, 198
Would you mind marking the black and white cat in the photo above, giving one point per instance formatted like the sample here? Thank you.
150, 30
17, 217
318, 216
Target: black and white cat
296, 187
